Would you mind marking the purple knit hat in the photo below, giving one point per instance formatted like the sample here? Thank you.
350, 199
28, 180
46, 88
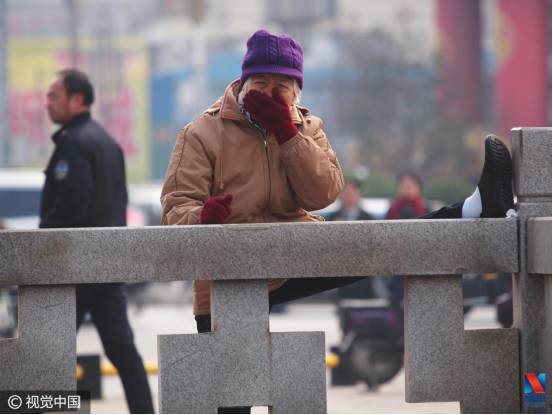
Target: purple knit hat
277, 54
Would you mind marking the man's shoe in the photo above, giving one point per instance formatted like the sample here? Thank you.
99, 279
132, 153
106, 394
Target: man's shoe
496, 183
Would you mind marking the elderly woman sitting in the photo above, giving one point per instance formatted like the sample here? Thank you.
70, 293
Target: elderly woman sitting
256, 156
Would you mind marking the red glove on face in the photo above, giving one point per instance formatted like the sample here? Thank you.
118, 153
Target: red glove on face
273, 114
216, 209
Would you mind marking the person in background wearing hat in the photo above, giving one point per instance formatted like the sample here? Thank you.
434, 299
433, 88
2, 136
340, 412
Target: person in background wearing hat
256, 156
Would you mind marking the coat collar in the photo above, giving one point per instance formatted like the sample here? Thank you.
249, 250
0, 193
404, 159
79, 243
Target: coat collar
76, 120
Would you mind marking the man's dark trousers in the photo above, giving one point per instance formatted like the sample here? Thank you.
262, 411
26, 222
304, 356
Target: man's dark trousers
107, 304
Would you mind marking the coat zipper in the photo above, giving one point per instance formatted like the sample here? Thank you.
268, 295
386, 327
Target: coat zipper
266, 144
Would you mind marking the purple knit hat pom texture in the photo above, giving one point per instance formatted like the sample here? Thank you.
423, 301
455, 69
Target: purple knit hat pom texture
276, 54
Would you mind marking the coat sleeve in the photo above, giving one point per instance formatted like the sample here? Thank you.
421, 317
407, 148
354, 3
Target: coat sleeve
72, 202
188, 180
312, 168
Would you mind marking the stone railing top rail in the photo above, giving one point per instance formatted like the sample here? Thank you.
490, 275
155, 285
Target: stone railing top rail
224, 252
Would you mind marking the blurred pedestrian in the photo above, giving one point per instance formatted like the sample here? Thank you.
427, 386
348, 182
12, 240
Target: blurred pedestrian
409, 202
256, 156
85, 187
350, 206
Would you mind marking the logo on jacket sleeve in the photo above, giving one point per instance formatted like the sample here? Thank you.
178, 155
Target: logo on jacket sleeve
61, 170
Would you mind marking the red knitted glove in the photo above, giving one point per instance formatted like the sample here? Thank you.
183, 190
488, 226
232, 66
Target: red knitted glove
273, 114
216, 209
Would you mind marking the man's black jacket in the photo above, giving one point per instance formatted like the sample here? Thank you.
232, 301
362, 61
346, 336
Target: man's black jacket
85, 178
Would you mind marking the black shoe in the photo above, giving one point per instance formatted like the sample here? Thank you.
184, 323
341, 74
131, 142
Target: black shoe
496, 185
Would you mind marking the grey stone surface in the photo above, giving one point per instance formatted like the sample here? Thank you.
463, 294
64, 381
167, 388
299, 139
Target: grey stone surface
529, 301
531, 311
433, 338
240, 304
298, 373
545, 337
187, 373
538, 245
258, 251
43, 356
490, 371
240, 363
201, 372
532, 161
443, 362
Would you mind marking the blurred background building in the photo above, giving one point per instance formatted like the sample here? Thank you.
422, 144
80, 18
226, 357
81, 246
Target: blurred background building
400, 84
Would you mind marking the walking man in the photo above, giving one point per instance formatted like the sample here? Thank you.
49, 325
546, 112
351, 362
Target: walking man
85, 187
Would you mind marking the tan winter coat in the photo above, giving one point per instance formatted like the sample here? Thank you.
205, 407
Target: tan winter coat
221, 152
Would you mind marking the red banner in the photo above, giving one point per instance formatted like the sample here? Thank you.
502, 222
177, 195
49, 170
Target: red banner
459, 86
523, 73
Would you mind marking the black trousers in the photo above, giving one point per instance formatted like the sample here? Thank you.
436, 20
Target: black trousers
296, 288
107, 304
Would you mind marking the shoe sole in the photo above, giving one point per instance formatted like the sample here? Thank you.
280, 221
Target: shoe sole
496, 149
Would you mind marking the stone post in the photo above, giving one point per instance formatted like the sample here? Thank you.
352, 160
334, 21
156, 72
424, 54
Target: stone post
532, 285
43, 356
241, 363
446, 363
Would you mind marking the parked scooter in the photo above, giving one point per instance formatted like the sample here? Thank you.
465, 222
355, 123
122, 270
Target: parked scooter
372, 346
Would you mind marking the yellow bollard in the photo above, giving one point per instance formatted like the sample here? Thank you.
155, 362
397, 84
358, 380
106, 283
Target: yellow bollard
332, 360
79, 372
107, 369
151, 368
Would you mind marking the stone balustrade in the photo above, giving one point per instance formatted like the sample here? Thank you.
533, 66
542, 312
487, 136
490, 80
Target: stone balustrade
241, 362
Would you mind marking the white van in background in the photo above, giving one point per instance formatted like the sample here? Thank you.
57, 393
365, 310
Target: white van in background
376, 206
20, 192
20, 195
